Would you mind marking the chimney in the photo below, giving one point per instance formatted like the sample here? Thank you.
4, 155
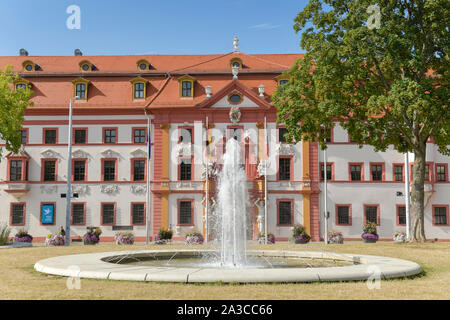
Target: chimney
23, 53
78, 53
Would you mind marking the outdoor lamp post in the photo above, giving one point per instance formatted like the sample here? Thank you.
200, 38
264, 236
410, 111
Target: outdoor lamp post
69, 172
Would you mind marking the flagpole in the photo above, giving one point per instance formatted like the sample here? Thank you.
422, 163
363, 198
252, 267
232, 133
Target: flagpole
207, 183
147, 206
265, 182
407, 197
326, 193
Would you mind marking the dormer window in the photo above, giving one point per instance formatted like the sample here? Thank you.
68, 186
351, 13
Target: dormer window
186, 86
139, 88
282, 79
29, 66
21, 84
236, 62
143, 65
81, 88
86, 66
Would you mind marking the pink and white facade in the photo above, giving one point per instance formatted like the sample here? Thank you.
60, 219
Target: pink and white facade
179, 95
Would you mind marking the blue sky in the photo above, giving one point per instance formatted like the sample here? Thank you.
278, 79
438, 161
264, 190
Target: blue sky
149, 26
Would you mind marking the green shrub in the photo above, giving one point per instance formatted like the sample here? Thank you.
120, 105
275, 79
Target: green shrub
4, 234
165, 234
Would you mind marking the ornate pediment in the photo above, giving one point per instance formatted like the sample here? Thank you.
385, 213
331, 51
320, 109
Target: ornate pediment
138, 153
49, 153
109, 153
79, 153
285, 149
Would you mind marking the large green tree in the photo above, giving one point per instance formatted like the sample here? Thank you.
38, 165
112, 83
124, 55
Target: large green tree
380, 71
12, 107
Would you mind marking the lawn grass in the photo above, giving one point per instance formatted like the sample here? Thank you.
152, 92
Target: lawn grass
18, 279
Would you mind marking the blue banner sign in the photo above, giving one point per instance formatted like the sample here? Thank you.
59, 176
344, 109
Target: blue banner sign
47, 213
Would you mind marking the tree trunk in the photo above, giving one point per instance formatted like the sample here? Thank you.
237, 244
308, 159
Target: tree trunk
418, 195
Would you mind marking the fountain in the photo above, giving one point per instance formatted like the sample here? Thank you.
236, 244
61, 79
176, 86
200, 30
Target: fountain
231, 257
231, 209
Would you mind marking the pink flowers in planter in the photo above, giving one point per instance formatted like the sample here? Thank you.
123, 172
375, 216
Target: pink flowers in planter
124, 238
194, 238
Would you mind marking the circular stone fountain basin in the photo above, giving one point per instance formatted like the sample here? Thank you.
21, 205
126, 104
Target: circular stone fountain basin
178, 266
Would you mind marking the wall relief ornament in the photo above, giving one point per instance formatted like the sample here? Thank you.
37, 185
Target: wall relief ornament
284, 149
109, 188
81, 189
235, 115
49, 189
139, 189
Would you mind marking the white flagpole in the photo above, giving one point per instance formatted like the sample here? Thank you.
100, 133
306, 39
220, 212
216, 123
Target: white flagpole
207, 184
265, 184
147, 206
325, 193
407, 196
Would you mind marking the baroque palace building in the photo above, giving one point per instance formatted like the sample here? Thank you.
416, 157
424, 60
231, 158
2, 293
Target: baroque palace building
194, 103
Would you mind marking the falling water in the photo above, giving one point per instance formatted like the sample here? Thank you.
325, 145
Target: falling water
231, 211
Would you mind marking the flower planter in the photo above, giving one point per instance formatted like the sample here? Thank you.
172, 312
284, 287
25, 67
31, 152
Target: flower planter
369, 240
194, 239
336, 240
55, 240
124, 238
24, 239
301, 241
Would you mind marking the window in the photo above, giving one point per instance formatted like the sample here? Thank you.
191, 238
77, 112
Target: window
29, 65
24, 136
17, 214
355, 172
108, 213
398, 172
235, 133
138, 170
50, 136
186, 135
427, 172
285, 213
15, 170
22, 86
109, 135
78, 216
139, 136
371, 213
185, 169
143, 65
86, 66
49, 170
376, 172
440, 216
284, 168
138, 213
109, 170
186, 88
80, 136
401, 215
236, 62
343, 215
80, 90
329, 172
185, 212
441, 172
139, 90
283, 82
235, 99
81, 87
281, 135
79, 170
